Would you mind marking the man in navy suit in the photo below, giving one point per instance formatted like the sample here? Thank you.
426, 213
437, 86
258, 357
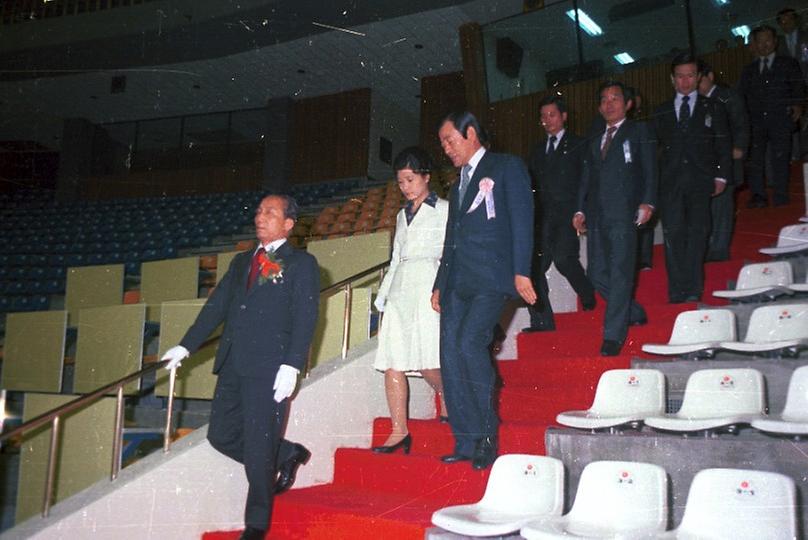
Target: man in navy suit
695, 164
555, 165
617, 194
486, 261
268, 302
774, 90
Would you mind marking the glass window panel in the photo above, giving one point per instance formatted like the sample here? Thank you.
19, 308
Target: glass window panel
545, 40
249, 126
204, 130
713, 22
647, 32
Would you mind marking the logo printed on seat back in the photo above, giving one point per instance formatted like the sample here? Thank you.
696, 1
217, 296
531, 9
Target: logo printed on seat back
625, 478
530, 470
745, 488
727, 382
633, 380
784, 315
766, 271
705, 319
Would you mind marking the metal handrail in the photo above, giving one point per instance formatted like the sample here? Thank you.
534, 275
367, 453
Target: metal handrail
54, 416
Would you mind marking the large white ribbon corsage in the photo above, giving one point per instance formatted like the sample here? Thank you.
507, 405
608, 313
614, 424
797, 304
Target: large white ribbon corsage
486, 192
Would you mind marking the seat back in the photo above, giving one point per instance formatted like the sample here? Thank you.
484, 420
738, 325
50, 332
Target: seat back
704, 325
765, 275
777, 323
792, 235
740, 504
620, 496
713, 393
525, 484
796, 409
627, 391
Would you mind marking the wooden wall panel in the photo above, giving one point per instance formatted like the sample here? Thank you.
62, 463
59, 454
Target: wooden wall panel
329, 137
440, 94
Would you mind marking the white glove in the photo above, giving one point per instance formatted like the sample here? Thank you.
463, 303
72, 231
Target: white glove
379, 303
285, 382
175, 355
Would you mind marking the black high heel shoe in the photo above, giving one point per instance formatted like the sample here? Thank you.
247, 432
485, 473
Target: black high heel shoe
404, 443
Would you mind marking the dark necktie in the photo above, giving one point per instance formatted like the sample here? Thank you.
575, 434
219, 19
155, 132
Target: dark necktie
464, 183
684, 110
765, 70
551, 146
609, 136
255, 267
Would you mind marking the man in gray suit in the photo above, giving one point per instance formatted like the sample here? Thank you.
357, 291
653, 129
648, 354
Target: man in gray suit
617, 194
722, 207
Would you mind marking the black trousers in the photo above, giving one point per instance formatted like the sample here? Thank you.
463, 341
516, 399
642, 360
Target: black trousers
559, 245
246, 425
685, 215
722, 213
612, 253
779, 138
467, 322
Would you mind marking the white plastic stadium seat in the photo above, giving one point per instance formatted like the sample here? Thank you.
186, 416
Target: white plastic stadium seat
800, 287
716, 398
521, 488
792, 239
739, 504
697, 331
794, 418
762, 279
621, 499
782, 327
623, 396
804, 219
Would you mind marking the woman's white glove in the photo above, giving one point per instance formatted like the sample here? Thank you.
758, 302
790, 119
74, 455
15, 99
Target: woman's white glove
379, 303
285, 382
175, 355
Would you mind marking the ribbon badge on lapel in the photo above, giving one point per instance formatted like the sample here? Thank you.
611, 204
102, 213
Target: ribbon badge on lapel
486, 192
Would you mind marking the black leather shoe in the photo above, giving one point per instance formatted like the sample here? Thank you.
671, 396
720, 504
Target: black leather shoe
454, 458
251, 533
639, 322
404, 443
610, 348
589, 304
531, 329
485, 453
288, 469
443, 419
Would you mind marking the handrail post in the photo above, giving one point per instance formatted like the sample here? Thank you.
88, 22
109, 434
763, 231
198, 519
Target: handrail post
346, 322
51, 472
117, 441
172, 379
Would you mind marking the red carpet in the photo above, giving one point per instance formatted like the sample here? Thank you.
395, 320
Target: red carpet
393, 496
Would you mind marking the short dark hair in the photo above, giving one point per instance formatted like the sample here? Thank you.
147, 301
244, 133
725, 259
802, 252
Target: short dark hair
627, 91
554, 99
683, 58
787, 11
414, 158
704, 68
291, 209
762, 28
462, 121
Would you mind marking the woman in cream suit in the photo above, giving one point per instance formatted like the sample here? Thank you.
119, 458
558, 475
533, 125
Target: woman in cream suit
409, 336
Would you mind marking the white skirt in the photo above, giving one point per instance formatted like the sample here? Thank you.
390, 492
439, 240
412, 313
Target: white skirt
409, 338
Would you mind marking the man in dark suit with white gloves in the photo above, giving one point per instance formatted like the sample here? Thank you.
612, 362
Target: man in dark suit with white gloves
268, 302
486, 260
617, 195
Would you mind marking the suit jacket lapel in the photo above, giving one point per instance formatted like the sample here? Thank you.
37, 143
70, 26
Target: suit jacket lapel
281, 253
474, 184
617, 141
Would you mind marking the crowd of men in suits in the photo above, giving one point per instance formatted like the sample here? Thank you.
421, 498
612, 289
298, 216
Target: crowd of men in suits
681, 167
